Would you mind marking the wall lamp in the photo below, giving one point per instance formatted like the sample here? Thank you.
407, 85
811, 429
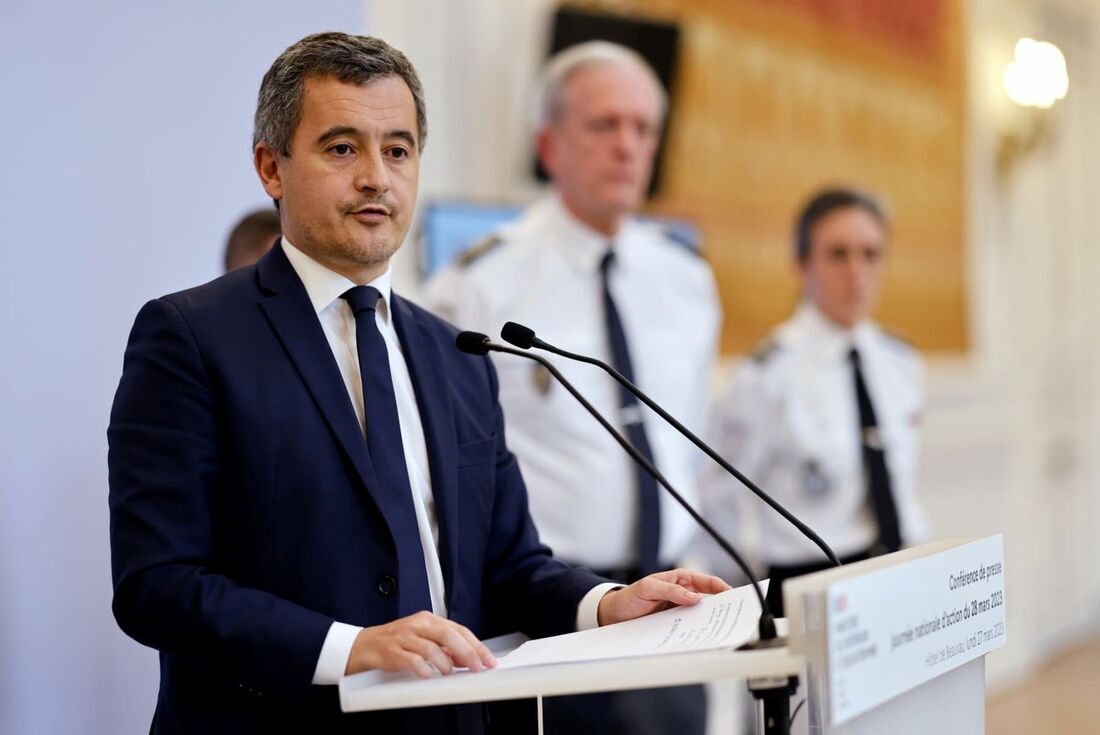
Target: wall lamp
1035, 81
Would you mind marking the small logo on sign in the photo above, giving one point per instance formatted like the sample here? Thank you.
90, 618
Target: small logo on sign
840, 604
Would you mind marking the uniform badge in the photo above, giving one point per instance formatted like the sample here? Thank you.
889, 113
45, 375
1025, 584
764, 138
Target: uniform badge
542, 379
815, 483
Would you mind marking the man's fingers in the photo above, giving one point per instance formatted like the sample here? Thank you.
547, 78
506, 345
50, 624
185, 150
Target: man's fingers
431, 652
697, 581
412, 662
456, 642
483, 654
704, 583
460, 649
655, 588
420, 644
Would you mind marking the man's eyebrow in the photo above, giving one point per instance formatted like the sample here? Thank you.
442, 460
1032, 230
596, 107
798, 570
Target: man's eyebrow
404, 135
336, 132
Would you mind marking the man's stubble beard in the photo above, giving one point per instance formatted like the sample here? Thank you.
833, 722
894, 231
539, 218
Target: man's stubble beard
351, 251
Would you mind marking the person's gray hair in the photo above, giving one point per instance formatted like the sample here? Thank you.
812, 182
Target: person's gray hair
341, 56
567, 62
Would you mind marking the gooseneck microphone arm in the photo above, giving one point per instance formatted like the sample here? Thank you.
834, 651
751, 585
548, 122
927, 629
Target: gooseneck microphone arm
479, 344
524, 338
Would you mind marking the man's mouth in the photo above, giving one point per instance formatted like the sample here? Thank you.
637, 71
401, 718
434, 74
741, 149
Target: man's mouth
371, 213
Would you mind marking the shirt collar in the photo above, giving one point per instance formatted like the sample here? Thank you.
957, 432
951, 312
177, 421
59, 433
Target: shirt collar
829, 339
582, 246
325, 286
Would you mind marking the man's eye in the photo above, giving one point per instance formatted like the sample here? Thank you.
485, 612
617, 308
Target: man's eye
399, 153
341, 149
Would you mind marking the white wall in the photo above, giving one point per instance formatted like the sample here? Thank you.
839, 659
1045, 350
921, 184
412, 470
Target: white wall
1010, 436
125, 138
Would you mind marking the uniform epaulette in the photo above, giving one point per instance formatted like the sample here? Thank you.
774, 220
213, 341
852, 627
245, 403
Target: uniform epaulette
472, 254
683, 238
764, 351
895, 339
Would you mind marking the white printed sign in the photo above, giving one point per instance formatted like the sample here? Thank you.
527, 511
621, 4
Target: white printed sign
892, 630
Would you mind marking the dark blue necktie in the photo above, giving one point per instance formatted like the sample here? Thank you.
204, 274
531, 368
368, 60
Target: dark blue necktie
387, 451
649, 509
879, 494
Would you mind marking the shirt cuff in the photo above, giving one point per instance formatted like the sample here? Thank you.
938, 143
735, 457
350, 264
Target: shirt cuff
333, 661
589, 607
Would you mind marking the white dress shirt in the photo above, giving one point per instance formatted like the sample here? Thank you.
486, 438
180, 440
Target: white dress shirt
325, 288
544, 273
790, 422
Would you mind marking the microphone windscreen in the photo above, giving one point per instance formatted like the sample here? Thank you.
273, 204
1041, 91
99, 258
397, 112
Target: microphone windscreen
472, 343
518, 335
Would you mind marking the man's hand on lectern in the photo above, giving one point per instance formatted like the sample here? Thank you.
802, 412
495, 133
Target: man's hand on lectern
420, 644
657, 592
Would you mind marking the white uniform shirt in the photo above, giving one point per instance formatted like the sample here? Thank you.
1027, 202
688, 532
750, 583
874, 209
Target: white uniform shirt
544, 273
790, 422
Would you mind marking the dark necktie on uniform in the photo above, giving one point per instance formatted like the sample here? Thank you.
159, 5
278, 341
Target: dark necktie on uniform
387, 451
649, 510
879, 494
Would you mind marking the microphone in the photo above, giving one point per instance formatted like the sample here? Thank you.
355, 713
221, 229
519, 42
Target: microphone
524, 337
474, 343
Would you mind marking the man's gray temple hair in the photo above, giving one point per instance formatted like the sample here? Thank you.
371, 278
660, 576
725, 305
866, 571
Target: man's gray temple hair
573, 59
341, 56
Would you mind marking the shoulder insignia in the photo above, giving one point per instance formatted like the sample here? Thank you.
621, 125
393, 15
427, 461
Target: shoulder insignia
683, 237
764, 351
475, 252
897, 340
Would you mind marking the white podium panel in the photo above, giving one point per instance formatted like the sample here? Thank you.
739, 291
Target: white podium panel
363, 692
901, 624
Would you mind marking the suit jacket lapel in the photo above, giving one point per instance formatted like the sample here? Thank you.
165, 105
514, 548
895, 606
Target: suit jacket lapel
424, 357
294, 320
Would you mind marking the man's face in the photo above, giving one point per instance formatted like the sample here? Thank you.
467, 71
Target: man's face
843, 272
600, 150
348, 188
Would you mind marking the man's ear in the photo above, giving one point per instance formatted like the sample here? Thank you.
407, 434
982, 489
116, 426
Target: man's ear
266, 161
800, 269
546, 148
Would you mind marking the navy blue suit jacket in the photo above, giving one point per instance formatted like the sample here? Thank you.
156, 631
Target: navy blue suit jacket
245, 517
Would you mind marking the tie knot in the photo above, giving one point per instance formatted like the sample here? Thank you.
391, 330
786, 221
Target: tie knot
607, 261
853, 356
361, 298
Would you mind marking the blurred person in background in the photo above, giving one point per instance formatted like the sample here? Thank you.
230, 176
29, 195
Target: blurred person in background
251, 238
585, 274
824, 416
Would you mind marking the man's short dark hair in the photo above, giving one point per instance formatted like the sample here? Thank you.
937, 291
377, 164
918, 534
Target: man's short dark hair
825, 203
251, 238
341, 56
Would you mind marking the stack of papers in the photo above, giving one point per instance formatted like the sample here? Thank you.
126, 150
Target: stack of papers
723, 621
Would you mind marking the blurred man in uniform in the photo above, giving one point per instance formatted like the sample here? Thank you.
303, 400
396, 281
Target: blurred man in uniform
824, 415
251, 238
585, 274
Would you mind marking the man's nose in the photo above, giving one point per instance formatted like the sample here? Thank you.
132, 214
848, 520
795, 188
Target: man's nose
627, 141
371, 173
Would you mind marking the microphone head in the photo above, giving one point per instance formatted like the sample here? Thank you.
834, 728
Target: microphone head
472, 343
518, 335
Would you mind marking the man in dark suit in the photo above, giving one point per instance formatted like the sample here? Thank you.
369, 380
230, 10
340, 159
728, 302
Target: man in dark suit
306, 479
